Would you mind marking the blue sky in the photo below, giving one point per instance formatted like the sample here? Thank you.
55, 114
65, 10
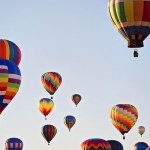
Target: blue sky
77, 40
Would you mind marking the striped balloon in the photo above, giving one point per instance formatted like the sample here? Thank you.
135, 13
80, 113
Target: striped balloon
10, 79
123, 117
14, 144
51, 81
45, 105
69, 121
140, 146
95, 144
10, 51
131, 18
48, 132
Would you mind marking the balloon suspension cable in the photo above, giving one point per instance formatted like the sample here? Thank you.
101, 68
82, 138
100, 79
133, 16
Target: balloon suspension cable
45, 118
69, 129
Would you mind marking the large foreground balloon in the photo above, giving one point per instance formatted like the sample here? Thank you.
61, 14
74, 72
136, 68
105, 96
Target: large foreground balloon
140, 146
76, 98
131, 18
51, 81
14, 144
10, 51
115, 145
123, 117
48, 132
141, 130
45, 106
95, 144
69, 121
10, 79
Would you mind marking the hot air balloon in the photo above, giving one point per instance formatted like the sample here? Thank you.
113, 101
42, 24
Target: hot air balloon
14, 144
123, 117
148, 148
131, 19
95, 144
45, 105
141, 130
51, 82
48, 132
10, 79
10, 51
76, 98
69, 121
115, 145
140, 146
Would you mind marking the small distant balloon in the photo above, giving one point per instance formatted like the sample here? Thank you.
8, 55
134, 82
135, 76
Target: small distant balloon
10, 80
45, 106
115, 145
123, 117
140, 146
69, 121
51, 82
10, 51
141, 130
95, 144
14, 144
48, 132
76, 98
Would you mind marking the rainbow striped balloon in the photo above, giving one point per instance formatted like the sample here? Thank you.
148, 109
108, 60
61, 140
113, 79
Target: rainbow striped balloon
123, 117
48, 132
69, 121
45, 105
51, 81
10, 51
14, 144
10, 79
95, 144
131, 18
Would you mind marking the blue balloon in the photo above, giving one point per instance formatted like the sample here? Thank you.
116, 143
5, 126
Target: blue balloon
140, 146
115, 145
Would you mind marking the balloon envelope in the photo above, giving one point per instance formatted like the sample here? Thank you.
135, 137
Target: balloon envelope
69, 121
140, 146
14, 144
131, 19
51, 81
48, 132
76, 98
10, 79
141, 130
95, 144
10, 51
115, 145
123, 117
45, 106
